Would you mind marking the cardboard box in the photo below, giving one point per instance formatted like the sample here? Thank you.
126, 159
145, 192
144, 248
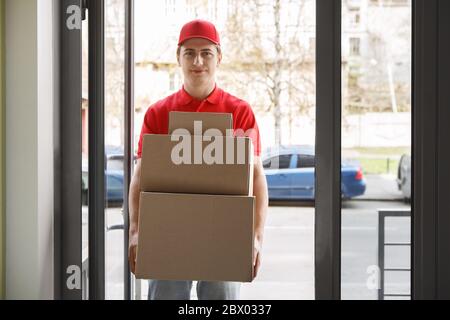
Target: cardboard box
162, 171
223, 122
195, 237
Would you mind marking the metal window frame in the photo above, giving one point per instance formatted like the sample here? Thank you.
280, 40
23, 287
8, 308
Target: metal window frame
129, 136
97, 159
443, 132
430, 219
68, 159
328, 151
327, 228
431, 156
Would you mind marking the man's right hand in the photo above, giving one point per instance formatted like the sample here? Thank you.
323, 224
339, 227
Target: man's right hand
132, 250
133, 202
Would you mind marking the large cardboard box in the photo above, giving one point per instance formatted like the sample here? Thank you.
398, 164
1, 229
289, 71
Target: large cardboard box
195, 237
190, 166
222, 122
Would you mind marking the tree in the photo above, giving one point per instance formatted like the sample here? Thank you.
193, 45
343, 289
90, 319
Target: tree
266, 53
114, 65
378, 80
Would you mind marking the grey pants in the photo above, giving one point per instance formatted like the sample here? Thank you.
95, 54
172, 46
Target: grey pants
181, 290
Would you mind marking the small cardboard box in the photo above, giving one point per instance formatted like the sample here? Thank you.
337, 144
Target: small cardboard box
195, 237
223, 122
167, 167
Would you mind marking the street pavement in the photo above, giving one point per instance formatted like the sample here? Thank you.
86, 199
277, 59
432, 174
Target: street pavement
381, 187
287, 270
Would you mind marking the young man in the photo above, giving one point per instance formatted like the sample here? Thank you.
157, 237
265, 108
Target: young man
199, 55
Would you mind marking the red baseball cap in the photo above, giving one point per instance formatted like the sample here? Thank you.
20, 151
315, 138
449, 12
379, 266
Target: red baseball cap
199, 29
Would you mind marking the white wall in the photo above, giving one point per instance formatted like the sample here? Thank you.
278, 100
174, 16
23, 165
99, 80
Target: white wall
377, 130
29, 148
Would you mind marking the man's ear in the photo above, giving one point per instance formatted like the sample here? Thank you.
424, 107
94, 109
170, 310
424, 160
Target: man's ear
219, 59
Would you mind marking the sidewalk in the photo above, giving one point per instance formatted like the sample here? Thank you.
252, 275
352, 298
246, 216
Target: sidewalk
287, 270
381, 187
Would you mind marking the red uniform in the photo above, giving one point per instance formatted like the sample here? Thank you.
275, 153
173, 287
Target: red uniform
156, 120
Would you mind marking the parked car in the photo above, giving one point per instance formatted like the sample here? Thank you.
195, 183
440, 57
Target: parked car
404, 176
114, 177
115, 162
114, 187
290, 173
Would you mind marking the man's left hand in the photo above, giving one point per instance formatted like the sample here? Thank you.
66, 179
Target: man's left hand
256, 257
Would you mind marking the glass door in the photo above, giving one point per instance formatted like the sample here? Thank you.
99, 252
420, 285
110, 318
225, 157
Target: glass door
376, 149
330, 85
268, 51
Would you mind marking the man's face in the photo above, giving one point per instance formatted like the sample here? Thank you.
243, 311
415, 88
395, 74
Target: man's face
199, 59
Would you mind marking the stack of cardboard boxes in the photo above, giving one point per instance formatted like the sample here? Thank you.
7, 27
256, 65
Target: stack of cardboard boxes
196, 211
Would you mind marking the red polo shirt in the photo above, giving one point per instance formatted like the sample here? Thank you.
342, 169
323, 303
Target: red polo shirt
156, 120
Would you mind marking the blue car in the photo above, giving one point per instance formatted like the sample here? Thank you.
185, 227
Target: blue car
114, 187
290, 172
114, 177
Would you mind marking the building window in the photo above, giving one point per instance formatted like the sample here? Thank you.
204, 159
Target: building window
355, 46
170, 8
212, 9
354, 17
390, 3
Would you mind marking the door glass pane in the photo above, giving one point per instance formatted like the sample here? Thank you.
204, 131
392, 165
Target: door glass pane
114, 147
268, 51
376, 149
85, 158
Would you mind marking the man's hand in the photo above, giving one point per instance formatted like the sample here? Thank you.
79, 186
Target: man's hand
256, 257
132, 250
262, 203
133, 202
